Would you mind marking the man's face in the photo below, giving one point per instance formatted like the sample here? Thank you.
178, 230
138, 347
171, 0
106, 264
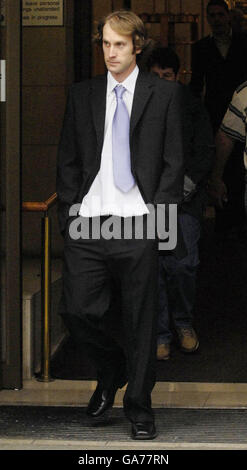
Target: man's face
119, 55
218, 19
167, 73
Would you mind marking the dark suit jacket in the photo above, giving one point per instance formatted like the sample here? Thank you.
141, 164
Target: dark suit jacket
222, 76
155, 141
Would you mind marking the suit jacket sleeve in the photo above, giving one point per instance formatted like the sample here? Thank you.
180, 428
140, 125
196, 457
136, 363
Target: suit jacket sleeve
198, 139
68, 165
170, 190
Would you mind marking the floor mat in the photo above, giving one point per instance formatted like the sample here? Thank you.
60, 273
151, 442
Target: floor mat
173, 425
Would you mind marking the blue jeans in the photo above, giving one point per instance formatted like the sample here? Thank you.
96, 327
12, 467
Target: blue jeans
177, 282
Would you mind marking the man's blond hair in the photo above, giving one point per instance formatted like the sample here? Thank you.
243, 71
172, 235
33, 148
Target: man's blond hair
126, 23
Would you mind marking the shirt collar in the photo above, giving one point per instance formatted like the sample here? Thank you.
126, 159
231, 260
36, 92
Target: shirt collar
128, 83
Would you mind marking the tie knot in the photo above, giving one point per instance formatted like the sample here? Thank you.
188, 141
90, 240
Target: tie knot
119, 90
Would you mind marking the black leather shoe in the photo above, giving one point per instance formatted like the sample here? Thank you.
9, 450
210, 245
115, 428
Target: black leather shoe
101, 401
143, 431
103, 398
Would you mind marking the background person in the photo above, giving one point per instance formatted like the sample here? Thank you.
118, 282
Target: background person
177, 277
218, 67
232, 130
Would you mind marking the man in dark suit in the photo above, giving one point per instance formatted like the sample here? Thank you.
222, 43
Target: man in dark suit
178, 275
146, 168
219, 64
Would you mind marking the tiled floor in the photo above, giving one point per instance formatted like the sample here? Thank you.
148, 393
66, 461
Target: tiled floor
165, 394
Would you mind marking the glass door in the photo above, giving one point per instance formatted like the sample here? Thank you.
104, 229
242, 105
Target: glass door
10, 200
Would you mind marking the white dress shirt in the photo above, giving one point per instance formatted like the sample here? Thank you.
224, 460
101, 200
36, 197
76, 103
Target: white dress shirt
103, 197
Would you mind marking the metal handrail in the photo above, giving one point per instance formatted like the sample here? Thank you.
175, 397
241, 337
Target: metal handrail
44, 207
40, 206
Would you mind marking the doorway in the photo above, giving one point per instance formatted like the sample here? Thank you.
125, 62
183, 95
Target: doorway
10, 196
10, 339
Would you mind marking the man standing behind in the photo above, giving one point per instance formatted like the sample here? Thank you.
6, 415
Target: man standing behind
121, 145
219, 65
232, 130
218, 62
178, 275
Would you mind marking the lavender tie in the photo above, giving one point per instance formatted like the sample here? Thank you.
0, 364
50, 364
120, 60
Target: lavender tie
120, 144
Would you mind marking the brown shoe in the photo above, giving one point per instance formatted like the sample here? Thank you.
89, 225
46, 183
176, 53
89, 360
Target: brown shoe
163, 352
188, 339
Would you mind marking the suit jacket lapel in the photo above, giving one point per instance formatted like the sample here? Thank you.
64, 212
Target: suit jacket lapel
143, 92
98, 100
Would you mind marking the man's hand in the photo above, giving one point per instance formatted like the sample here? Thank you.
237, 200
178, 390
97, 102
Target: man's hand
189, 188
217, 192
216, 187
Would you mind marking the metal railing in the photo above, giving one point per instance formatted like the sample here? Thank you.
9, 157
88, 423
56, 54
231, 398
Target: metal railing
44, 207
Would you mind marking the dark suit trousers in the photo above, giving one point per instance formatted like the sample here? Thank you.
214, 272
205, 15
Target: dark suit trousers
94, 270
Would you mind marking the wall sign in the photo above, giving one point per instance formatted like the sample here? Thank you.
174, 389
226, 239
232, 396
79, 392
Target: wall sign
2, 80
42, 13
